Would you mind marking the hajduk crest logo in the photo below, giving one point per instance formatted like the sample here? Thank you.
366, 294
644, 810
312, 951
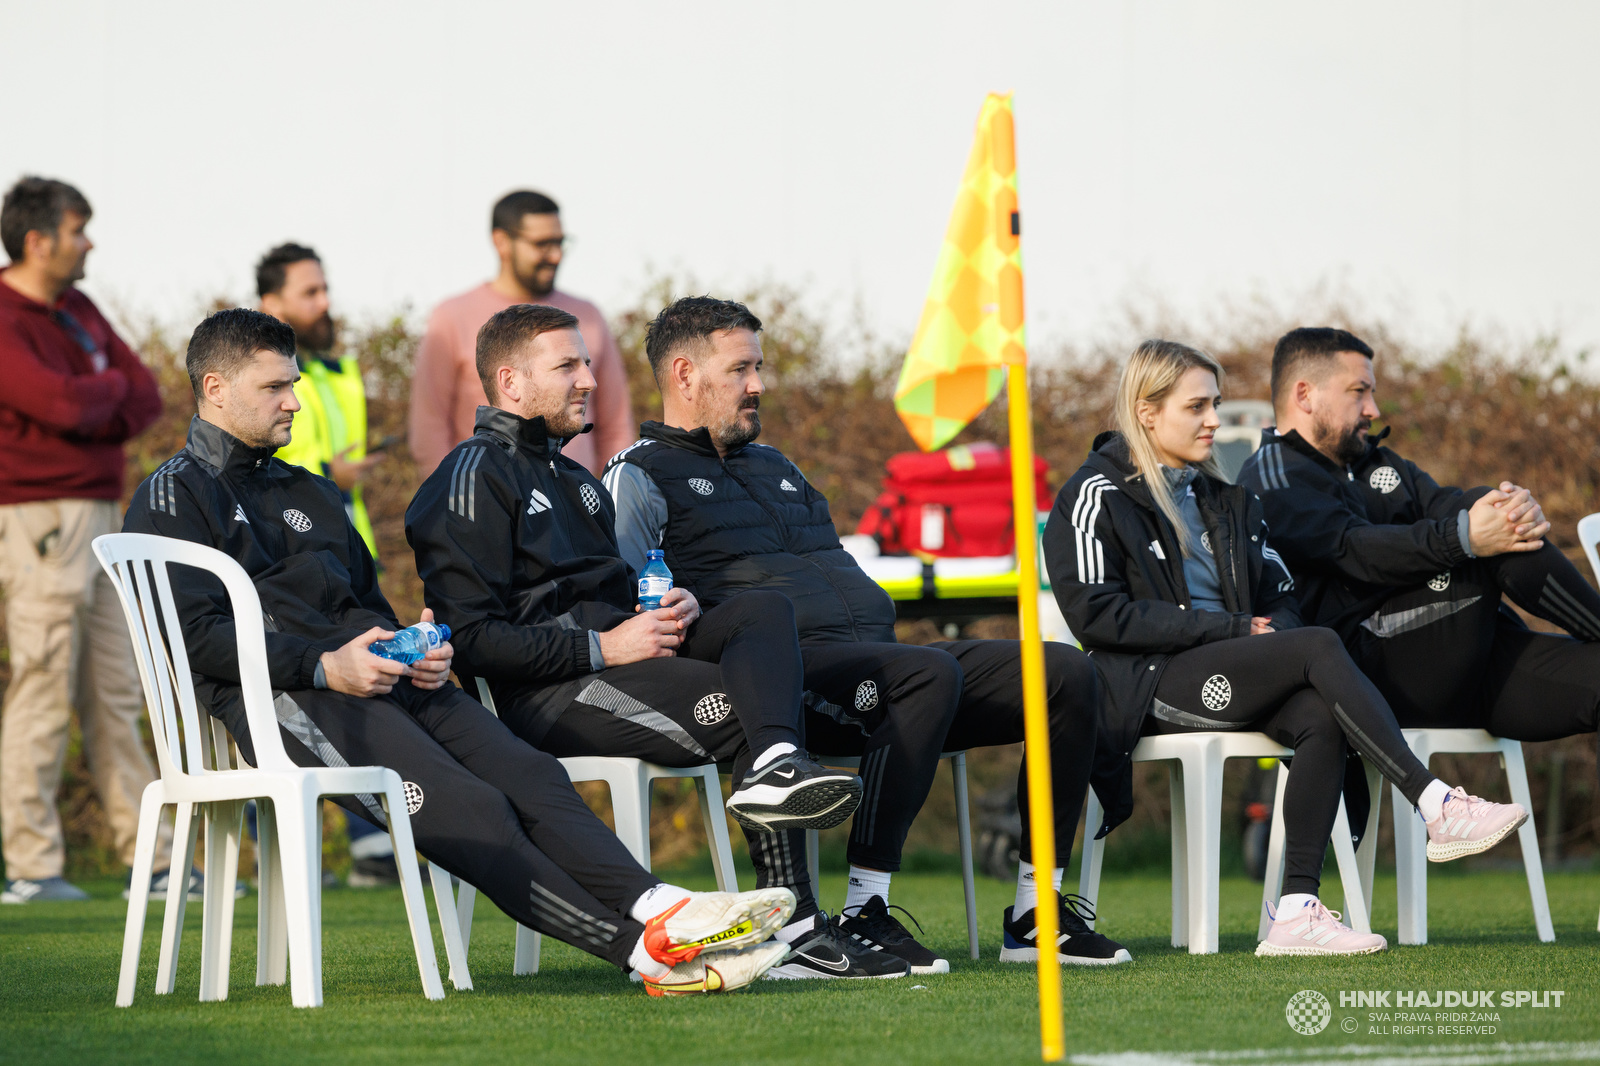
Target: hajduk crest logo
866, 696
1385, 479
712, 708
701, 485
1205, 541
413, 793
297, 520
1308, 1012
591, 498
1216, 693
1439, 582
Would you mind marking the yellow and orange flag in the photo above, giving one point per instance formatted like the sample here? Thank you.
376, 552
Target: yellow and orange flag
972, 326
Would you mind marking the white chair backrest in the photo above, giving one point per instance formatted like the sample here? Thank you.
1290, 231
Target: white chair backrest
1589, 536
138, 566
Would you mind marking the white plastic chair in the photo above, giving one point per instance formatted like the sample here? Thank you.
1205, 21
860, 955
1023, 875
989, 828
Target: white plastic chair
1411, 838
199, 776
958, 774
1589, 537
629, 782
1196, 781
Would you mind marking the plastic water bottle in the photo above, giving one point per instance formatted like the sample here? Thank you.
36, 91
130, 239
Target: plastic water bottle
655, 581
412, 642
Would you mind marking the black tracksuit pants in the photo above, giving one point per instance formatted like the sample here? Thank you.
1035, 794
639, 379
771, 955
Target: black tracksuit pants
1302, 689
496, 812
1447, 654
991, 713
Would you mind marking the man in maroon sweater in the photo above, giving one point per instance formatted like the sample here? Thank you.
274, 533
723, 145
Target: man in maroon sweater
72, 393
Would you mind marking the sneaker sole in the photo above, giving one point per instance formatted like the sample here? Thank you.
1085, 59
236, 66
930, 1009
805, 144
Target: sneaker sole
1032, 955
1265, 950
815, 805
791, 972
939, 966
1457, 849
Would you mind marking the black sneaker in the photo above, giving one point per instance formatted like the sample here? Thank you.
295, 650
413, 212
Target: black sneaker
826, 952
1076, 943
874, 928
794, 792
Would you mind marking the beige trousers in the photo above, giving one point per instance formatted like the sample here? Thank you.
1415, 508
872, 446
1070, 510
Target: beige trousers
69, 649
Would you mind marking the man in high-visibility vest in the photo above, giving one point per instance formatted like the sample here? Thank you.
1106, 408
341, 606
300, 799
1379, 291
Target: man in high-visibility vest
330, 438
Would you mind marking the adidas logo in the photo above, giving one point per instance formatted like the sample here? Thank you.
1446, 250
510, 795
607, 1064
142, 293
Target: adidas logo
537, 502
786, 487
238, 514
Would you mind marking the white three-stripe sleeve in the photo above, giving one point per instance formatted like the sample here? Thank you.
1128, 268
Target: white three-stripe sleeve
1085, 512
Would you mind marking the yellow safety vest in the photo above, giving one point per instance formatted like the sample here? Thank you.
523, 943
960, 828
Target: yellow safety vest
332, 417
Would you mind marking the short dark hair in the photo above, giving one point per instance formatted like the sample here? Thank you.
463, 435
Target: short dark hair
1310, 345
508, 212
691, 321
508, 332
273, 270
35, 203
228, 341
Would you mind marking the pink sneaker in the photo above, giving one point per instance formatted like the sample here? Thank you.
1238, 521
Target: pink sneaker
1467, 825
1315, 930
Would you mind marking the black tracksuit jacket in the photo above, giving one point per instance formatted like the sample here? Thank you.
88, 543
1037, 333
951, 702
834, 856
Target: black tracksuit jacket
1354, 537
517, 550
288, 528
1117, 572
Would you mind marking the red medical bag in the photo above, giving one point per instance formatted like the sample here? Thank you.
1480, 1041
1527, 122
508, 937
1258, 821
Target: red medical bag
955, 502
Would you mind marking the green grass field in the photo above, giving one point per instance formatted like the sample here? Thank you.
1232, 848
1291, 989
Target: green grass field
58, 965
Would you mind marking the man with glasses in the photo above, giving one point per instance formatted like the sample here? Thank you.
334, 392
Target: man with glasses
446, 393
74, 394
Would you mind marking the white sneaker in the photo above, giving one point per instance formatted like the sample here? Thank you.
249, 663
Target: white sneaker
1315, 930
718, 971
720, 920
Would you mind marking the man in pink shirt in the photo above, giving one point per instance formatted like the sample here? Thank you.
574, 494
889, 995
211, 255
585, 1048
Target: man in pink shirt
445, 391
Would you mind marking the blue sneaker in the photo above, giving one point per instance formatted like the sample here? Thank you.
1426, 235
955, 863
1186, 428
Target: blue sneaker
45, 890
1076, 943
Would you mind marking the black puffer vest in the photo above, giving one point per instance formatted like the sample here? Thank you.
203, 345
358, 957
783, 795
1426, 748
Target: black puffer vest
751, 521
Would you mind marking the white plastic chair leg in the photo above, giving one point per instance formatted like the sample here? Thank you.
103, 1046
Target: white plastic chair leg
1093, 853
183, 844
224, 830
630, 807
454, 915
300, 844
405, 855
1180, 856
958, 773
272, 920
1410, 871
1357, 908
1517, 776
525, 959
1272, 883
716, 820
1203, 810
139, 892
1367, 853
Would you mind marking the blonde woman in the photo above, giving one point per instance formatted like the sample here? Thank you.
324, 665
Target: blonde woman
1163, 571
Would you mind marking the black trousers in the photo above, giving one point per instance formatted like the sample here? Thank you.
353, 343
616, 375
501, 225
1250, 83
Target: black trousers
991, 713
495, 811
1302, 689
1447, 654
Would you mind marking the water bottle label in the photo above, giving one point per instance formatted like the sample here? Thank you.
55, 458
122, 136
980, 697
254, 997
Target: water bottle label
653, 587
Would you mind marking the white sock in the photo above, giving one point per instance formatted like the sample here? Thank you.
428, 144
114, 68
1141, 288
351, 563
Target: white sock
781, 748
1431, 802
1292, 902
1028, 888
796, 929
864, 884
645, 963
658, 899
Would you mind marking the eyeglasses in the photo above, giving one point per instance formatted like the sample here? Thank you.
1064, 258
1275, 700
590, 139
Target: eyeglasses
553, 244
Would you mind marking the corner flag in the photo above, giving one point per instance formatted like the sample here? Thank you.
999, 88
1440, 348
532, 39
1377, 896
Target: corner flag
969, 342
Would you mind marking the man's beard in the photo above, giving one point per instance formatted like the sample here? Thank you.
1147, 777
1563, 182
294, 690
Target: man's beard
540, 280
737, 432
563, 423
316, 337
1347, 445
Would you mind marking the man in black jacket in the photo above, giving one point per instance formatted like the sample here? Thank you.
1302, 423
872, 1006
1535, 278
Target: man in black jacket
1411, 573
495, 811
516, 549
733, 515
